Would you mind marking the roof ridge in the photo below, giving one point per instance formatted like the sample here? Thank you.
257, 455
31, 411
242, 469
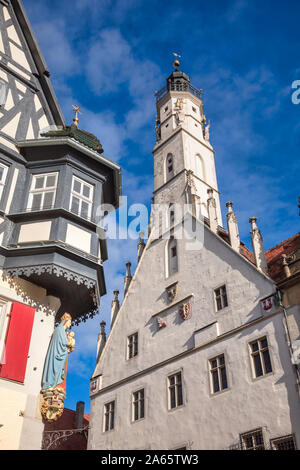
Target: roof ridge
283, 242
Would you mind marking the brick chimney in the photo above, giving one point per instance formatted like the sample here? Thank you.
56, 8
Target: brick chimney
79, 415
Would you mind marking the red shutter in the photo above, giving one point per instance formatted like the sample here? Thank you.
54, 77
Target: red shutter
17, 342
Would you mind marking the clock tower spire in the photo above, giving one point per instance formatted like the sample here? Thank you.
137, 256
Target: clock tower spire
183, 154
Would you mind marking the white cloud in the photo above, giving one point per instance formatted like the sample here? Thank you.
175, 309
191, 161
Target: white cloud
111, 135
111, 65
60, 56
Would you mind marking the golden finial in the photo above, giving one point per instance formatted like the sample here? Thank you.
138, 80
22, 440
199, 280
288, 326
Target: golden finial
176, 62
77, 110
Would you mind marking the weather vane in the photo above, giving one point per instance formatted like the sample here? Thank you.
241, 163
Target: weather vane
176, 62
77, 110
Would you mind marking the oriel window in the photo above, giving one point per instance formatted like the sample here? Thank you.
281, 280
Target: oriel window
175, 391
81, 198
260, 357
109, 416
221, 298
43, 191
132, 346
138, 405
218, 374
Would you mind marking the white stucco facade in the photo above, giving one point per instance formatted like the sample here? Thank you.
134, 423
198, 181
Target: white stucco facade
169, 345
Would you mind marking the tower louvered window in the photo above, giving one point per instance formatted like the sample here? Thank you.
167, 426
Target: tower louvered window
170, 166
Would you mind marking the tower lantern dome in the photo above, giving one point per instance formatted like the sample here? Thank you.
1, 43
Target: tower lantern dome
178, 81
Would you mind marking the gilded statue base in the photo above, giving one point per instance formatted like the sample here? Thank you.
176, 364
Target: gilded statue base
52, 405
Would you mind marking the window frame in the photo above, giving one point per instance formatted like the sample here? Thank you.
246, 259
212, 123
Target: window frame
283, 438
5, 306
215, 298
138, 402
135, 346
218, 369
108, 413
169, 167
171, 266
252, 433
4, 178
81, 197
3, 93
42, 191
262, 361
175, 385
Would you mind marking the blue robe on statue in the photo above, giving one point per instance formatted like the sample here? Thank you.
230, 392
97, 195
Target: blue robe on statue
54, 369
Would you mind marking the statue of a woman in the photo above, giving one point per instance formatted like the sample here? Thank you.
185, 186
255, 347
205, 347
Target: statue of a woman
54, 376
55, 364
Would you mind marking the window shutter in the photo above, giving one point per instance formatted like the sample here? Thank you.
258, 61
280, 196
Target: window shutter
17, 342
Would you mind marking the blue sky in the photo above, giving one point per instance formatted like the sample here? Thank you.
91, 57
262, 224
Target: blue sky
109, 56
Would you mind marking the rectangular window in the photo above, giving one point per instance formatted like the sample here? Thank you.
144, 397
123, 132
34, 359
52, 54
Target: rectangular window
109, 416
4, 320
283, 443
260, 357
253, 440
221, 298
218, 375
17, 342
138, 405
175, 391
82, 195
3, 175
43, 191
3, 92
132, 346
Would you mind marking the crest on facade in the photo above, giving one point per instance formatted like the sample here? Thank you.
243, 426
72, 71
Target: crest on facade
161, 323
172, 292
94, 386
267, 304
185, 311
52, 406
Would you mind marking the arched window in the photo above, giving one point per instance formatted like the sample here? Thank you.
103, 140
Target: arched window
200, 168
169, 166
172, 256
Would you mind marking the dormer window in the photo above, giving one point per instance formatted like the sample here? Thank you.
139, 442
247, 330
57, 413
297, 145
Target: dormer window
43, 191
81, 198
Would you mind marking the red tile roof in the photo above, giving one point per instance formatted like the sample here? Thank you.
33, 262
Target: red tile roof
274, 256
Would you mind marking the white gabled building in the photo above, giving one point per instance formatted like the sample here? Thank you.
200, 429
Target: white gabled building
197, 356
